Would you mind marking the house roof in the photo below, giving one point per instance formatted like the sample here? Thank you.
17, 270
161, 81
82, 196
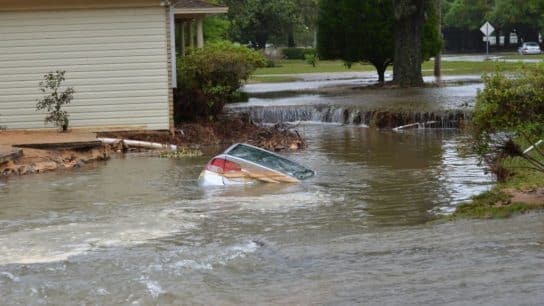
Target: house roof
199, 7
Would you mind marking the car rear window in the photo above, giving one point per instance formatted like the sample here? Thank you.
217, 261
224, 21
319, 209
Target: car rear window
271, 161
532, 44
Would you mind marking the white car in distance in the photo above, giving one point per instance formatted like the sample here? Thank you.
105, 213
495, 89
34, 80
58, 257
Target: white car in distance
529, 48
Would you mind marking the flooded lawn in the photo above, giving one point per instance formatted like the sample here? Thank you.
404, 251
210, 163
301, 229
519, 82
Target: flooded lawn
447, 105
139, 231
423, 99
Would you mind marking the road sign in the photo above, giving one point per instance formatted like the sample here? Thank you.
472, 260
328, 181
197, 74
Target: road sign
487, 29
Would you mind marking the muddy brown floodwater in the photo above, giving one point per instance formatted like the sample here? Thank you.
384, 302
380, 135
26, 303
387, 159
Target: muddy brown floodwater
139, 231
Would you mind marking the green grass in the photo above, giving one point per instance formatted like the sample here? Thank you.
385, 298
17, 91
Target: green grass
490, 205
494, 204
301, 66
497, 202
287, 70
468, 68
272, 79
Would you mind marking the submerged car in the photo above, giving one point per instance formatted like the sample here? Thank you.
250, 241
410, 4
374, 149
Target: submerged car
529, 48
244, 164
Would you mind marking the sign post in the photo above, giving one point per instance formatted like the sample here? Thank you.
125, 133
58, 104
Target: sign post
487, 29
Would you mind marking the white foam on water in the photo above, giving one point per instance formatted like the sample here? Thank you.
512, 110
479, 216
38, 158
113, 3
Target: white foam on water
10, 276
443, 210
235, 252
60, 242
191, 264
153, 287
204, 262
273, 202
102, 291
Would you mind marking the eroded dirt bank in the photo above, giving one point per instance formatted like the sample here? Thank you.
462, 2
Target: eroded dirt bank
225, 131
40, 161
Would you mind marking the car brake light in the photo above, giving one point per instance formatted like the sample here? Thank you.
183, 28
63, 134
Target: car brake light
221, 165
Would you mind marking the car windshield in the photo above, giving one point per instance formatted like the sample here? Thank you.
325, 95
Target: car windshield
271, 161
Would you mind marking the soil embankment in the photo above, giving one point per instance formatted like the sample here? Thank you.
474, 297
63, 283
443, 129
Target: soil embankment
45, 160
225, 131
40, 161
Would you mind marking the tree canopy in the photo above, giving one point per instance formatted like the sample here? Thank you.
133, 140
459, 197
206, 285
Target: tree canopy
364, 31
357, 31
523, 16
258, 21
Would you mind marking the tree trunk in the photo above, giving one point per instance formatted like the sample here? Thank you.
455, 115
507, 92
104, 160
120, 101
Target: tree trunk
438, 57
410, 18
380, 69
291, 38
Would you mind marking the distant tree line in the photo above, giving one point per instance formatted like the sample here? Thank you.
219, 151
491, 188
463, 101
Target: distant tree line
382, 32
258, 22
462, 20
294, 22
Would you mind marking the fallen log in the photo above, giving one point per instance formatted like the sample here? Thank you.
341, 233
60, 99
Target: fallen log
419, 125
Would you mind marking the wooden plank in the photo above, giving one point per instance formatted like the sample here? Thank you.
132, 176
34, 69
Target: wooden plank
12, 155
79, 145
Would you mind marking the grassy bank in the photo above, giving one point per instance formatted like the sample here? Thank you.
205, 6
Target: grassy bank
301, 66
287, 70
523, 191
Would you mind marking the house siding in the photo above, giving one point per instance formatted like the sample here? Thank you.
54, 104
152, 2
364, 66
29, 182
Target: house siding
116, 59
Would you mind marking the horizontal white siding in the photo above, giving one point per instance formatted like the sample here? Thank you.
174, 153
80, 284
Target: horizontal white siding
115, 59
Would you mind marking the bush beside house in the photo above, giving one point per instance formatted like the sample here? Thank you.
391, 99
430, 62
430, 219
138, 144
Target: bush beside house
211, 77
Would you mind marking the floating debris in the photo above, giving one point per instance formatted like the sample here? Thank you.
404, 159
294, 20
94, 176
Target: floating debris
182, 153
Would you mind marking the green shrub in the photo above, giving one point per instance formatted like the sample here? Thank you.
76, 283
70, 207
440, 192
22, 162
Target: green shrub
509, 116
297, 53
210, 77
312, 59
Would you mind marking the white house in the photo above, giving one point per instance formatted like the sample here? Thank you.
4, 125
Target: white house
119, 56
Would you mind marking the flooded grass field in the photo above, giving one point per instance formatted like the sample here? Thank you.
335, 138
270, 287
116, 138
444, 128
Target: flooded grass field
139, 231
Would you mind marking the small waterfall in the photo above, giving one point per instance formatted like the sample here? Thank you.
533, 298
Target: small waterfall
353, 116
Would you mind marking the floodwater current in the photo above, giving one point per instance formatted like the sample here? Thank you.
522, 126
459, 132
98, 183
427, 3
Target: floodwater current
137, 230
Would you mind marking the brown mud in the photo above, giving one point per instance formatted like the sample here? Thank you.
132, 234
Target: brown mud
224, 131
39, 161
533, 197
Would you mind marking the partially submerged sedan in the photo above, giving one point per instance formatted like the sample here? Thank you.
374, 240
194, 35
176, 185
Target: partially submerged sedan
243, 164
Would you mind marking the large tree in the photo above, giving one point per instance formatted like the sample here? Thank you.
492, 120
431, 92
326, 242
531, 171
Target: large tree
259, 21
416, 39
409, 22
357, 31
381, 33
